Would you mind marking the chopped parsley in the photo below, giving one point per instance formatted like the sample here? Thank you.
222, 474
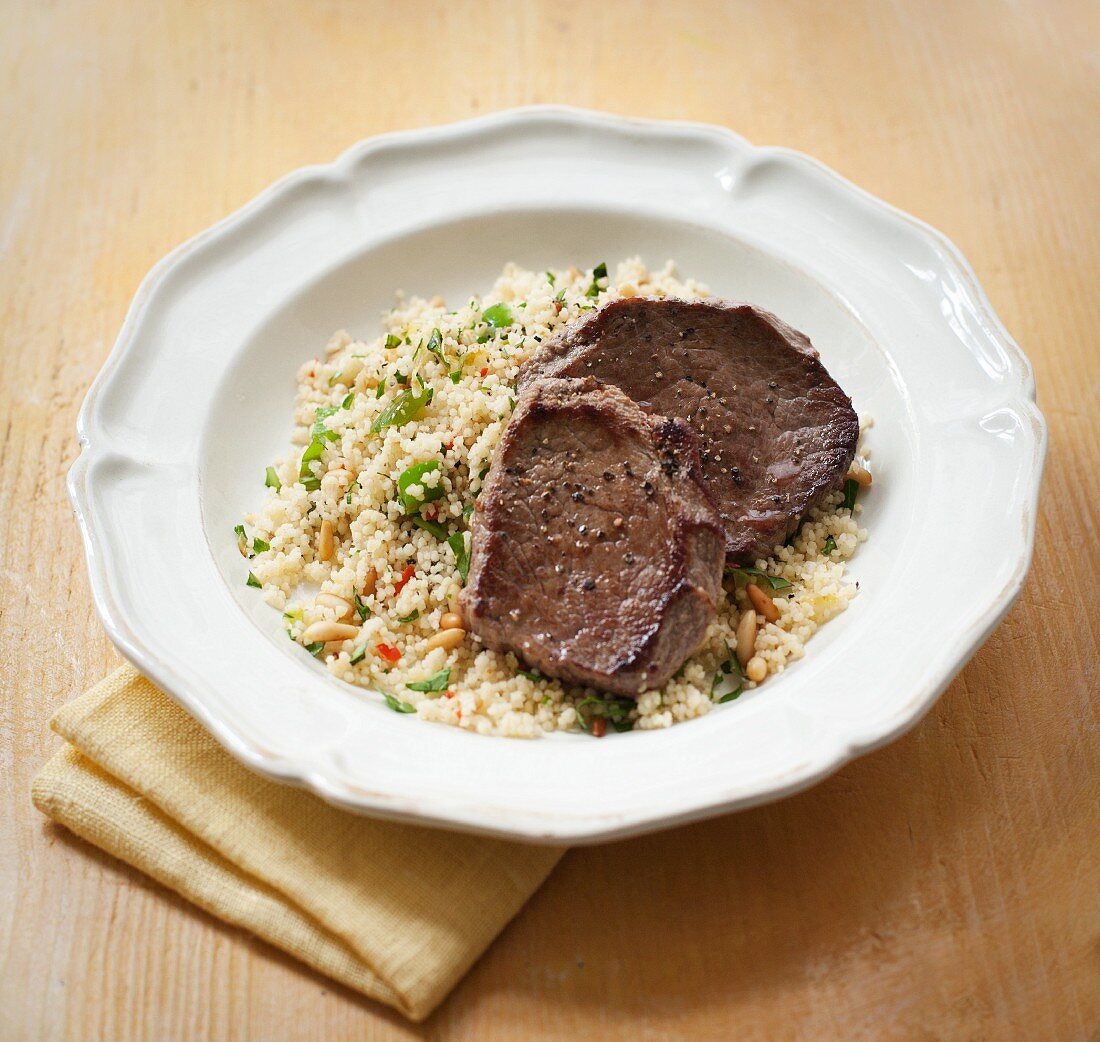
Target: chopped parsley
315, 648
436, 682
435, 345
731, 665
616, 711
830, 545
411, 617
434, 527
414, 475
253, 581
362, 610
851, 490
455, 376
347, 402
260, 545
314, 451
359, 654
392, 341
755, 575
353, 487
398, 706
598, 272
457, 543
531, 674
381, 389
405, 407
271, 480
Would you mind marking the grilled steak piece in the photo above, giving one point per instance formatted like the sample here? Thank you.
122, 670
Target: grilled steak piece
597, 556
776, 433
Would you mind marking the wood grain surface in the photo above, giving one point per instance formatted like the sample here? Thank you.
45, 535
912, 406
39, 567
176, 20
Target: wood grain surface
945, 887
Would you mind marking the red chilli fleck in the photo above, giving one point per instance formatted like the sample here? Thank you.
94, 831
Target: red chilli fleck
389, 653
485, 371
406, 575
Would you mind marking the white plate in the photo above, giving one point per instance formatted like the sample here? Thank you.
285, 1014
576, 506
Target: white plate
196, 398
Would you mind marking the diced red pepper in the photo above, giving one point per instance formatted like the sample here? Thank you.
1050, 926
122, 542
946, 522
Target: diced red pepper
388, 652
485, 371
406, 575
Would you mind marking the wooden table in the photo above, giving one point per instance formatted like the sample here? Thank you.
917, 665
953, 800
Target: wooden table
946, 887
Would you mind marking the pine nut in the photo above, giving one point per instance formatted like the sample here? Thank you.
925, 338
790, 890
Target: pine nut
370, 580
756, 669
446, 639
338, 604
746, 637
858, 473
326, 631
325, 541
762, 602
450, 620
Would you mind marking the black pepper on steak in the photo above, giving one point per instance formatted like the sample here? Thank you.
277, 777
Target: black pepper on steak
628, 577
777, 434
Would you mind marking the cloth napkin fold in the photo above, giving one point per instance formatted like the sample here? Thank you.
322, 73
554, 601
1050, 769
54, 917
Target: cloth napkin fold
394, 911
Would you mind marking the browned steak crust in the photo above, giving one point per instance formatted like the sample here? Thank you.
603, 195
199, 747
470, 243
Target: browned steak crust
777, 434
597, 556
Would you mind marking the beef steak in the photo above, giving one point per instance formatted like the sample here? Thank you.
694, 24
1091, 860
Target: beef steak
597, 556
777, 434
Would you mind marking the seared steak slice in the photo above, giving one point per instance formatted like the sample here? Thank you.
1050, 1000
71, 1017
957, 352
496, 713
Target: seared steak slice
596, 557
776, 432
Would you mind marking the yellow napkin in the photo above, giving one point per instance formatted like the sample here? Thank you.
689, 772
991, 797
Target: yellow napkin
397, 912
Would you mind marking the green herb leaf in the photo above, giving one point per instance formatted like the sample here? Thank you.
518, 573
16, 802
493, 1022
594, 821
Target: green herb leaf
531, 674
314, 451
242, 540
851, 490
435, 345
392, 341
455, 376
436, 682
551, 278
260, 545
731, 665
362, 610
499, 316
830, 545
398, 706
615, 711
755, 575
253, 581
359, 654
381, 389
598, 272
315, 648
457, 543
414, 475
434, 527
271, 480
405, 407
335, 376
347, 402
411, 617
353, 487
